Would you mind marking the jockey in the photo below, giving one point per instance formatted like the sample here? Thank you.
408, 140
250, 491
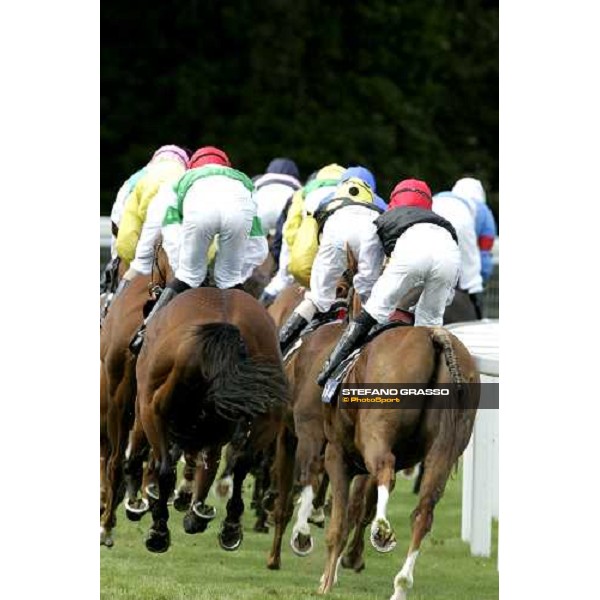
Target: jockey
211, 198
460, 212
485, 224
168, 164
423, 250
346, 221
274, 189
116, 213
319, 185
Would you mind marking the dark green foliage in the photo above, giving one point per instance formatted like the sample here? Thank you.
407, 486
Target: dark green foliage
407, 88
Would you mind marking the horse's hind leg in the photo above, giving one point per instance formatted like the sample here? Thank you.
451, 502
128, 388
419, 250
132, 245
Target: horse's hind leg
137, 451
199, 514
231, 534
284, 476
437, 470
361, 512
381, 464
310, 441
185, 491
262, 483
159, 538
118, 431
337, 532
317, 516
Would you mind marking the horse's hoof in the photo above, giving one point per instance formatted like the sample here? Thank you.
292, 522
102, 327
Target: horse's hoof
137, 509
204, 511
192, 523
302, 544
274, 564
158, 541
106, 538
231, 536
357, 565
182, 501
383, 538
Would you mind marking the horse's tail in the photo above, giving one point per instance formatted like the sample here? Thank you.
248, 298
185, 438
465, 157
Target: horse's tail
215, 361
453, 414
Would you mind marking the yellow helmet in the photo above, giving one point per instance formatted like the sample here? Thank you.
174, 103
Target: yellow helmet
332, 171
355, 189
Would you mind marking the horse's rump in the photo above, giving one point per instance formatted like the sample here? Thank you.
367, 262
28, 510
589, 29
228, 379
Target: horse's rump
213, 360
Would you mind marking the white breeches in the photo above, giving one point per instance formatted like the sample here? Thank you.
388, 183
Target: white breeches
424, 255
214, 206
352, 226
257, 250
270, 201
282, 278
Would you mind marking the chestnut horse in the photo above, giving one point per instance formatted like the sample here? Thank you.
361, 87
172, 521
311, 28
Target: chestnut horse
118, 389
210, 363
382, 441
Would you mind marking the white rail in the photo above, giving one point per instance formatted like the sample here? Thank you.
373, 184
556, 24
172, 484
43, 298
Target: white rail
480, 494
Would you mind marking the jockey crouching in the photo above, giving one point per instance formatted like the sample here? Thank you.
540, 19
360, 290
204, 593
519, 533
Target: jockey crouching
346, 221
168, 164
212, 199
423, 251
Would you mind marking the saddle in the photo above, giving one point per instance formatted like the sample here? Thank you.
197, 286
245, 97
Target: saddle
337, 313
400, 318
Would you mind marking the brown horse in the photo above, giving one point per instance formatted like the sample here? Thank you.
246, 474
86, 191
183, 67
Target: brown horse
118, 390
301, 439
382, 441
210, 363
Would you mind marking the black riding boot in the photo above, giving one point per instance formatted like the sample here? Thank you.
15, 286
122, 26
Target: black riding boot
477, 300
174, 288
354, 335
290, 330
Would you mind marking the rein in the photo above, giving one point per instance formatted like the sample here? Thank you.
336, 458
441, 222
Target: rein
154, 287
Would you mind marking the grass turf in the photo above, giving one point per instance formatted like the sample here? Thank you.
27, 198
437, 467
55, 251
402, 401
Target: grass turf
195, 568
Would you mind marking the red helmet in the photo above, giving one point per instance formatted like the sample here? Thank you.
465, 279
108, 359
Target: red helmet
411, 192
209, 155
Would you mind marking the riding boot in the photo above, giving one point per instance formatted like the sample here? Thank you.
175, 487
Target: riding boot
477, 301
354, 335
174, 288
290, 330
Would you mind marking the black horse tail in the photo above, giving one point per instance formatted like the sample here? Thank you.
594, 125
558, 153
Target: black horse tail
215, 363
455, 423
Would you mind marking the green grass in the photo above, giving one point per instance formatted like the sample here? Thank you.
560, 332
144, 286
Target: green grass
195, 568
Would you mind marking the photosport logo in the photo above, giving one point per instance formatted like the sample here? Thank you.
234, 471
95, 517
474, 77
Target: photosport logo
404, 395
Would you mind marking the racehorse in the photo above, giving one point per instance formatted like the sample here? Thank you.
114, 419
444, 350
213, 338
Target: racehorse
381, 441
118, 389
210, 363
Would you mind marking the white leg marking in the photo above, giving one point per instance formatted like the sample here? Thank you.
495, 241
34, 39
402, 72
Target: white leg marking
382, 500
128, 451
305, 510
404, 579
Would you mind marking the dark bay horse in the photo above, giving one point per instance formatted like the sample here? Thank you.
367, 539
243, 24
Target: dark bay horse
210, 362
381, 441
